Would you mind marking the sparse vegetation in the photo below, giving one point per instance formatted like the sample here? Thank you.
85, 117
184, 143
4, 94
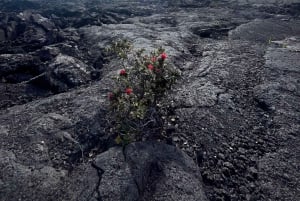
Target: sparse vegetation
135, 103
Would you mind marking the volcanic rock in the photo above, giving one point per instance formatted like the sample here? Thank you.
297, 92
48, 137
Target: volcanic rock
236, 106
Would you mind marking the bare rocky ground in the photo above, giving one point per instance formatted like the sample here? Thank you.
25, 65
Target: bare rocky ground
237, 105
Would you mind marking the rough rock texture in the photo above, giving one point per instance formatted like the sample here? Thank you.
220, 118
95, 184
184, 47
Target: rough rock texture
148, 171
279, 171
45, 143
66, 72
236, 108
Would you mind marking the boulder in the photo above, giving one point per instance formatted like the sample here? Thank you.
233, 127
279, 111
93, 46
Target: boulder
67, 72
35, 36
16, 68
40, 146
43, 22
148, 171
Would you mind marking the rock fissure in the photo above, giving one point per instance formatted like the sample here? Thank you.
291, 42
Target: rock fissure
100, 172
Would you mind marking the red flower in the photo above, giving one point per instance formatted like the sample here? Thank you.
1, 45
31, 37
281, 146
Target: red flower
163, 56
150, 67
153, 59
128, 91
123, 72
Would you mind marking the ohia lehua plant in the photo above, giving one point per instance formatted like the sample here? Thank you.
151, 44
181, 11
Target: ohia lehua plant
140, 84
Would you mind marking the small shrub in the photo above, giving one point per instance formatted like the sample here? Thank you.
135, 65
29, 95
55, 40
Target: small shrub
135, 102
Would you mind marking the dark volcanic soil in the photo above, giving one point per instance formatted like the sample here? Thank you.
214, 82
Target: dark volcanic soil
236, 107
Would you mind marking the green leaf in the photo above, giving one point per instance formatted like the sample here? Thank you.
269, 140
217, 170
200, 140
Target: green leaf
118, 139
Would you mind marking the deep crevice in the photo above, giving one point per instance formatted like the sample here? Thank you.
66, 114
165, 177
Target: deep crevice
100, 172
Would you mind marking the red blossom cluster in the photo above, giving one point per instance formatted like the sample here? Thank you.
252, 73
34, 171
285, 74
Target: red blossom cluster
123, 72
150, 66
163, 56
139, 88
128, 91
